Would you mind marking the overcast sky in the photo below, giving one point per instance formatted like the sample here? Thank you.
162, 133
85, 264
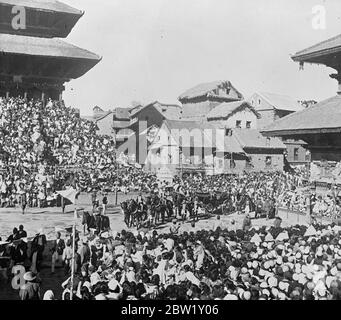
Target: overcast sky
157, 49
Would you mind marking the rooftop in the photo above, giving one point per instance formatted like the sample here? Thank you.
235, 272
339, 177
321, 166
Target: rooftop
187, 124
319, 52
43, 47
226, 109
206, 89
169, 111
252, 138
325, 115
44, 18
49, 5
122, 113
281, 102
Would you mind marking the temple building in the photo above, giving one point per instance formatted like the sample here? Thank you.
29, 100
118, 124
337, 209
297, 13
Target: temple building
320, 124
34, 61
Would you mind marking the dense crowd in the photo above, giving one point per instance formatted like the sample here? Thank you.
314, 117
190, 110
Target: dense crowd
40, 143
257, 192
33, 132
262, 192
46, 147
220, 263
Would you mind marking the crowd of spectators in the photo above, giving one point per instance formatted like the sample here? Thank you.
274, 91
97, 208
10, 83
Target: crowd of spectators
262, 263
47, 146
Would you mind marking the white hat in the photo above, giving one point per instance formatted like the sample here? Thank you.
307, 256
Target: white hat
269, 238
256, 239
87, 284
105, 235
311, 231
230, 297
282, 236
272, 282
113, 285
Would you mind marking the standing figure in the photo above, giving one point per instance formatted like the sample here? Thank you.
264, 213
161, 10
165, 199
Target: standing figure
37, 250
104, 203
57, 251
22, 198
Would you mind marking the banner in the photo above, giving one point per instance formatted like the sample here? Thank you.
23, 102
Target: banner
70, 194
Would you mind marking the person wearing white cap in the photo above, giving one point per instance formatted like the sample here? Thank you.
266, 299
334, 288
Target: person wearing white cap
48, 295
31, 289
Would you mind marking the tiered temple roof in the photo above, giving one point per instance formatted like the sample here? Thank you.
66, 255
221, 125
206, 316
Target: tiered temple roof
44, 18
34, 59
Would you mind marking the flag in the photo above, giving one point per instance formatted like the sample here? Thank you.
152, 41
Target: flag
70, 194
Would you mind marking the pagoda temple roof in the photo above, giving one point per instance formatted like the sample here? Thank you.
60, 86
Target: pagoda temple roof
48, 57
323, 117
44, 18
327, 52
50, 5
43, 47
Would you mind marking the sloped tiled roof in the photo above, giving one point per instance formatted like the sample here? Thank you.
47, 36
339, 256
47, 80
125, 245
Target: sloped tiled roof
122, 113
185, 124
25, 45
103, 116
252, 138
232, 145
169, 111
332, 44
207, 88
323, 115
226, 109
281, 102
50, 5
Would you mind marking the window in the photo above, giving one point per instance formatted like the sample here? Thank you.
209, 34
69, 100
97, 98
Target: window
258, 101
238, 124
248, 124
268, 161
295, 154
227, 132
252, 102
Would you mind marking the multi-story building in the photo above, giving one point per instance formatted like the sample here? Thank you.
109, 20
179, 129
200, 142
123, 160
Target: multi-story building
271, 107
198, 101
